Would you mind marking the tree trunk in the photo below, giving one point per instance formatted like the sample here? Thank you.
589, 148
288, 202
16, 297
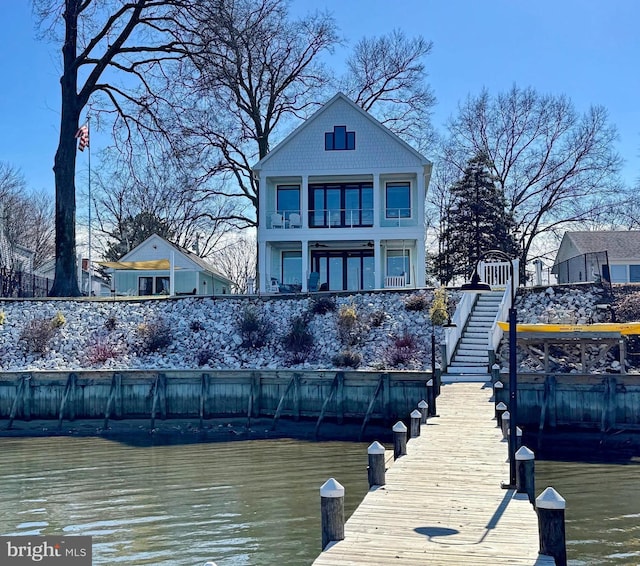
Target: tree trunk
65, 283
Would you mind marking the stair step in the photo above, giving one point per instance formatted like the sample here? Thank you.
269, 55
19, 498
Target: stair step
472, 350
476, 336
480, 340
472, 359
467, 369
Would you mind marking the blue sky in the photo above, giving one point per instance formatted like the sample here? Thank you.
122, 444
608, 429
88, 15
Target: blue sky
586, 49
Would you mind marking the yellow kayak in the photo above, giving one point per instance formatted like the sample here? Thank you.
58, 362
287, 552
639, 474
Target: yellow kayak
622, 327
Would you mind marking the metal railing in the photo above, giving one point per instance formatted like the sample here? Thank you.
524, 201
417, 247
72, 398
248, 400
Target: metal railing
19, 284
341, 218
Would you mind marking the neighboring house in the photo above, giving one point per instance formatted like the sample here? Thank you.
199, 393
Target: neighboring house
591, 256
341, 206
99, 285
158, 267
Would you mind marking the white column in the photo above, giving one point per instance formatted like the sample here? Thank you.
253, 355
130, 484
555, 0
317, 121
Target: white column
377, 202
172, 275
304, 203
305, 265
263, 284
377, 262
420, 263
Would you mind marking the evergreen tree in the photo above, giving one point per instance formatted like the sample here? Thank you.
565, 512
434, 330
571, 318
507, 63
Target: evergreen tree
132, 231
476, 221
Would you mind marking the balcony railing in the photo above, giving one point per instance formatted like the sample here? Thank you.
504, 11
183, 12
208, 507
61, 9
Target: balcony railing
341, 218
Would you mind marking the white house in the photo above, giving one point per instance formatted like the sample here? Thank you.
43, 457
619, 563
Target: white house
587, 256
341, 206
158, 267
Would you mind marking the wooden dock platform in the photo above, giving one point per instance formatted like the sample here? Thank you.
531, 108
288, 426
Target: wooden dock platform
442, 503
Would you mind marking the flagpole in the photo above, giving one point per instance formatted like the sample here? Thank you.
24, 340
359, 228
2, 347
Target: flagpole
90, 266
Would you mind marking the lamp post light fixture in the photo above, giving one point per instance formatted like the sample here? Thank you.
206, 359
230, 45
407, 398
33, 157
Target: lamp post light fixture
476, 286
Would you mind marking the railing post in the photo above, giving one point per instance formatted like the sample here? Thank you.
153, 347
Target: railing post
518, 437
399, 440
424, 409
376, 469
416, 417
525, 473
550, 506
332, 510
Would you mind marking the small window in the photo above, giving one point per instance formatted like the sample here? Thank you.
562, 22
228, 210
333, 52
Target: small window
145, 286
634, 274
340, 139
618, 273
398, 200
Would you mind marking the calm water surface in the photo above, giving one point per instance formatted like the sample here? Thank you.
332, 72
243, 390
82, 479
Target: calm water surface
603, 509
252, 502
237, 503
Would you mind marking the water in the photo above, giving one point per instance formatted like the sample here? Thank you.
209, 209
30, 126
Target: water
603, 509
252, 502
237, 503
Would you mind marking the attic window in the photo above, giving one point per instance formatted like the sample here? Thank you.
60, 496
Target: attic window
339, 139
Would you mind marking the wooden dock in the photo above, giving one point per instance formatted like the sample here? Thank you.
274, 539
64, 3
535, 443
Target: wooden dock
442, 503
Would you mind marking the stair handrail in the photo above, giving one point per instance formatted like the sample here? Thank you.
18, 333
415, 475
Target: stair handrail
452, 334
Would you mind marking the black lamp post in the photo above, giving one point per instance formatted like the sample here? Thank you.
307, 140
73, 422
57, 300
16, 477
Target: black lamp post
476, 286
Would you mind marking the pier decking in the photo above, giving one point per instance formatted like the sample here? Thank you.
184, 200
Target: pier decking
442, 503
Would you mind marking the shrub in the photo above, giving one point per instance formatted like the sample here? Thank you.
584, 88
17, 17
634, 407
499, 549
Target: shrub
349, 327
402, 351
154, 336
299, 340
196, 326
376, 318
37, 335
205, 356
416, 302
347, 359
255, 330
322, 305
111, 323
101, 350
58, 320
438, 312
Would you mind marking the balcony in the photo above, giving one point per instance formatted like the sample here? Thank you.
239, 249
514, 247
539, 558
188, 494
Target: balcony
341, 218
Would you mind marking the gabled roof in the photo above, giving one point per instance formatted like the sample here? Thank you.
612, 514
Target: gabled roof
316, 115
198, 262
619, 244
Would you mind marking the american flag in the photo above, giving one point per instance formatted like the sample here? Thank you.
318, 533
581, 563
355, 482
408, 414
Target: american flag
82, 135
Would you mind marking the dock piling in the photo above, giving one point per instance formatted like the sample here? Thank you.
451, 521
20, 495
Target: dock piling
431, 398
399, 440
416, 417
376, 469
500, 409
424, 409
525, 473
332, 510
506, 420
550, 506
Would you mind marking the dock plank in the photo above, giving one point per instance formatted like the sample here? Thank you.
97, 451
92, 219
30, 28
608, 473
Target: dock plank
442, 503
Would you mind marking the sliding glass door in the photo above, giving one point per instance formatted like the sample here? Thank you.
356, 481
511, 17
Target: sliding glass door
344, 270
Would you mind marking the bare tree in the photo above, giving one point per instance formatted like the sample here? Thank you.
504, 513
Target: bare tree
387, 77
554, 165
237, 261
261, 73
26, 218
258, 70
159, 192
101, 41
